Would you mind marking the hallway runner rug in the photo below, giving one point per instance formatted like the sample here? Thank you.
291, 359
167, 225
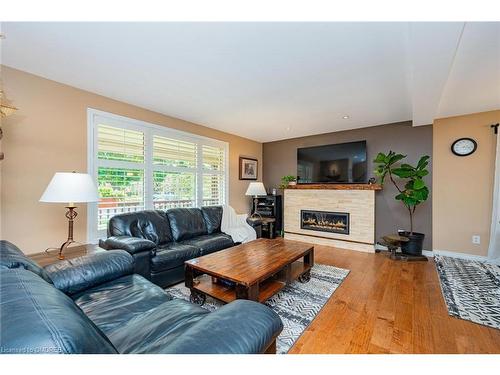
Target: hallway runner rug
471, 289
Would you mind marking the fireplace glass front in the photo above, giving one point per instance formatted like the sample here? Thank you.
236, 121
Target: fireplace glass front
325, 221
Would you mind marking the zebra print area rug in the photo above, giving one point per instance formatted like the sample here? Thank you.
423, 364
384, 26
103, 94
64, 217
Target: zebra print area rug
471, 289
297, 304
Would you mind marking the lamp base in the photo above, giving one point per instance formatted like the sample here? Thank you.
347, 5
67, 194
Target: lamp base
255, 214
70, 215
63, 247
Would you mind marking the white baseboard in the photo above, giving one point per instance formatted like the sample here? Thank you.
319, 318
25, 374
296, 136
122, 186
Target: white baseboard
431, 253
454, 254
366, 248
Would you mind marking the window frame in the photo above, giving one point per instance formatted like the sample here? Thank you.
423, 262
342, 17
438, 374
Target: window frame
150, 130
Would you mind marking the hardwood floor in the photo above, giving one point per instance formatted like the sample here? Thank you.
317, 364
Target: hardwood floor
386, 306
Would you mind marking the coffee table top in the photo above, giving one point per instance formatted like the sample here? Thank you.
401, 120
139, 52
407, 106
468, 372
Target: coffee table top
251, 262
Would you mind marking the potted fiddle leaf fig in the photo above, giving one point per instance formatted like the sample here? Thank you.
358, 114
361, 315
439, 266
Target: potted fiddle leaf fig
412, 191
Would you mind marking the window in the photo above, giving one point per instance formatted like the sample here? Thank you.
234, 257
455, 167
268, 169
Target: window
141, 166
174, 173
213, 176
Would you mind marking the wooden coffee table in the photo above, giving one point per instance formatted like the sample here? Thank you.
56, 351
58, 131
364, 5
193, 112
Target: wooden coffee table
255, 270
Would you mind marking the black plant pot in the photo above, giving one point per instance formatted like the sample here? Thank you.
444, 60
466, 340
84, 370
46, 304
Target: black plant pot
415, 243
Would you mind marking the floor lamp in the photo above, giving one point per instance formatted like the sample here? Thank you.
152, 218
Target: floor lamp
70, 188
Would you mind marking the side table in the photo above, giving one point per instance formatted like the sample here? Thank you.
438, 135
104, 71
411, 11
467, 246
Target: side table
48, 257
268, 227
256, 224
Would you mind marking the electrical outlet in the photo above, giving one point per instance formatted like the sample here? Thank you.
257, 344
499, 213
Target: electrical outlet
476, 239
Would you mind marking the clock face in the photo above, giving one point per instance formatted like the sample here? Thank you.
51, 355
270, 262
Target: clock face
464, 146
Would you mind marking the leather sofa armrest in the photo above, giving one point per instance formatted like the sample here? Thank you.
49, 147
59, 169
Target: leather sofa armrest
75, 275
132, 245
240, 327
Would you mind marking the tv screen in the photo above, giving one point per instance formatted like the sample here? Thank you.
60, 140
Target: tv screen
343, 163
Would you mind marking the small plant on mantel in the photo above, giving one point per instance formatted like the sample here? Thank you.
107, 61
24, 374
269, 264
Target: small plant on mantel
287, 180
413, 193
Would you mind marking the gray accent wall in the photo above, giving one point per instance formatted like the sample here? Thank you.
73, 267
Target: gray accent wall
280, 158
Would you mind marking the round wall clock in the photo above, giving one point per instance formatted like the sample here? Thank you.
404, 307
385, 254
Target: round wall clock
464, 146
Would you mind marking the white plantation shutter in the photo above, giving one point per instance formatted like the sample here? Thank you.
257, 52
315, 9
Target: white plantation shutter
120, 190
174, 153
120, 172
174, 173
213, 190
120, 144
213, 160
141, 166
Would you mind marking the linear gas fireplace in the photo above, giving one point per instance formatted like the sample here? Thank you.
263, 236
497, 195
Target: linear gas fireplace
325, 221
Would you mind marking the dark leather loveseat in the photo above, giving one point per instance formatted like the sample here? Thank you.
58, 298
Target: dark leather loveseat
95, 304
161, 241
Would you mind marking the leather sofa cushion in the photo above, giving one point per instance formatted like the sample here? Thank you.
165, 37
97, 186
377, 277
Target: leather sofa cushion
111, 305
74, 275
173, 255
213, 218
151, 331
132, 245
186, 223
210, 243
240, 327
38, 318
149, 224
179, 327
12, 257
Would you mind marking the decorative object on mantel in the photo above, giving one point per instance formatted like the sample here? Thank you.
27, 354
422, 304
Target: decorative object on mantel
256, 189
287, 181
6, 109
411, 195
70, 188
248, 168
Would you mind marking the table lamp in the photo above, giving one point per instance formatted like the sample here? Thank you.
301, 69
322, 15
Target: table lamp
70, 188
256, 189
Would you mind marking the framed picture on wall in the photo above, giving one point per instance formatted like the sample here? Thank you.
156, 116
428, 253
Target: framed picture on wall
248, 168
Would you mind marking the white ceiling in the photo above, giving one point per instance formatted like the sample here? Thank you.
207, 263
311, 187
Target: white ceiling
270, 81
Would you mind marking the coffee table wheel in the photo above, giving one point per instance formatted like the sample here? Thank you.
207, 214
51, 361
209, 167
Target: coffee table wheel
305, 277
197, 298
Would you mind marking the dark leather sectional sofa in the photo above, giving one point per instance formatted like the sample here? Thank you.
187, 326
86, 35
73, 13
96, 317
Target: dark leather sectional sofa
161, 241
96, 304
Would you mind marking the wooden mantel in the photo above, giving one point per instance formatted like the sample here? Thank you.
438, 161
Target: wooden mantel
337, 186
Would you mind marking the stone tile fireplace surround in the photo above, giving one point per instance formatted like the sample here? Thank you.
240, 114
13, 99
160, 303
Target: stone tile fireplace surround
335, 215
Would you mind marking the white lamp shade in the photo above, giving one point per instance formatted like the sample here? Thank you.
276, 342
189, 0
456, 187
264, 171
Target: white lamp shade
70, 188
256, 188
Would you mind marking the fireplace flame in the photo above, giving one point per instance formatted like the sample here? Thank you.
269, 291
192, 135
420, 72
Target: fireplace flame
325, 223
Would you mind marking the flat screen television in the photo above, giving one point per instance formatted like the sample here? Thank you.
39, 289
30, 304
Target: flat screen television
343, 163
